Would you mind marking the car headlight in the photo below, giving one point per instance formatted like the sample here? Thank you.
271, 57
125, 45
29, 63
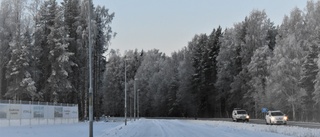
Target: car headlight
285, 118
247, 116
272, 118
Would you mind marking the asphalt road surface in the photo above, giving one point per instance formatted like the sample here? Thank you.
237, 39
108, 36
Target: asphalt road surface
253, 121
262, 121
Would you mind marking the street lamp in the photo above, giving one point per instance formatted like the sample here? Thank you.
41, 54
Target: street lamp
134, 99
138, 104
125, 91
90, 74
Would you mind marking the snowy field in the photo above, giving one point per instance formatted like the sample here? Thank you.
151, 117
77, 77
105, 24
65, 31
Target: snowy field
160, 128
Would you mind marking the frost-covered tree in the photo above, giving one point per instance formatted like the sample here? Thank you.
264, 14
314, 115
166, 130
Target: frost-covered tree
239, 84
252, 34
286, 69
113, 96
44, 22
199, 52
185, 98
310, 79
57, 86
5, 38
258, 69
21, 84
36, 35
211, 50
102, 36
159, 86
71, 22
146, 72
226, 69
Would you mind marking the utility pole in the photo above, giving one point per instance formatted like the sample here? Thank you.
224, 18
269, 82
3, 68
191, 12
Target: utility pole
138, 113
125, 91
134, 99
90, 75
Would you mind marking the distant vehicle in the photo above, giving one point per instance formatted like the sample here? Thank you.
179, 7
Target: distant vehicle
276, 117
240, 115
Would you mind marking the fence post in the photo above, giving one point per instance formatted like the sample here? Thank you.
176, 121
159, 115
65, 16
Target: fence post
54, 117
69, 113
62, 113
30, 113
38, 110
20, 112
47, 113
9, 112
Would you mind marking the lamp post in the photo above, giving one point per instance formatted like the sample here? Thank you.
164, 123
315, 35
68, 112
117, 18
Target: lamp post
138, 113
90, 75
125, 91
135, 99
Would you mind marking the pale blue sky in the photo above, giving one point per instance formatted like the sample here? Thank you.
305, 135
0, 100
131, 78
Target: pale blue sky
169, 25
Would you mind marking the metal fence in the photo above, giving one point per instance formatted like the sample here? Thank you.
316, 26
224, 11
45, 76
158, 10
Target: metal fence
18, 113
35, 103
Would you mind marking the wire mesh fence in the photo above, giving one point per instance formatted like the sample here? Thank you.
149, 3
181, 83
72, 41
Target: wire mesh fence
34, 103
15, 113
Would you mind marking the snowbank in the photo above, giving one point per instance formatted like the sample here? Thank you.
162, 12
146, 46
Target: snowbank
280, 129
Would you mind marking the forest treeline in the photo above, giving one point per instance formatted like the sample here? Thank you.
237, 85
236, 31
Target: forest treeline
253, 65
44, 50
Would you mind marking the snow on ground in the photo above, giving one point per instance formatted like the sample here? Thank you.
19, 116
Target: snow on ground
279, 129
159, 128
80, 129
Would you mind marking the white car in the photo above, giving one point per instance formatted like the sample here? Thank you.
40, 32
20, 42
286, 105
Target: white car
240, 114
276, 117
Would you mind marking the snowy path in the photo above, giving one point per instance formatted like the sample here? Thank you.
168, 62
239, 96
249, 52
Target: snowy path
181, 128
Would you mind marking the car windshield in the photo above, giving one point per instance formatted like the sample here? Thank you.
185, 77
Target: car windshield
242, 112
277, 114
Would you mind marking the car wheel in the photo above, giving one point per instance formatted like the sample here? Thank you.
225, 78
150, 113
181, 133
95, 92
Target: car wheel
247, 120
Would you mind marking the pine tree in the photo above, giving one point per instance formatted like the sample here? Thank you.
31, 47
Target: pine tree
185, 98
308, 79
213, 47
226, 69
21, 85
57, 86
71, 24
44, 23
5, 38
199, 60
102, 37
114, 94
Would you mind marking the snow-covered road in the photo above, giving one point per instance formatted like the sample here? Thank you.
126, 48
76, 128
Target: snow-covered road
160, 128
183, 128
